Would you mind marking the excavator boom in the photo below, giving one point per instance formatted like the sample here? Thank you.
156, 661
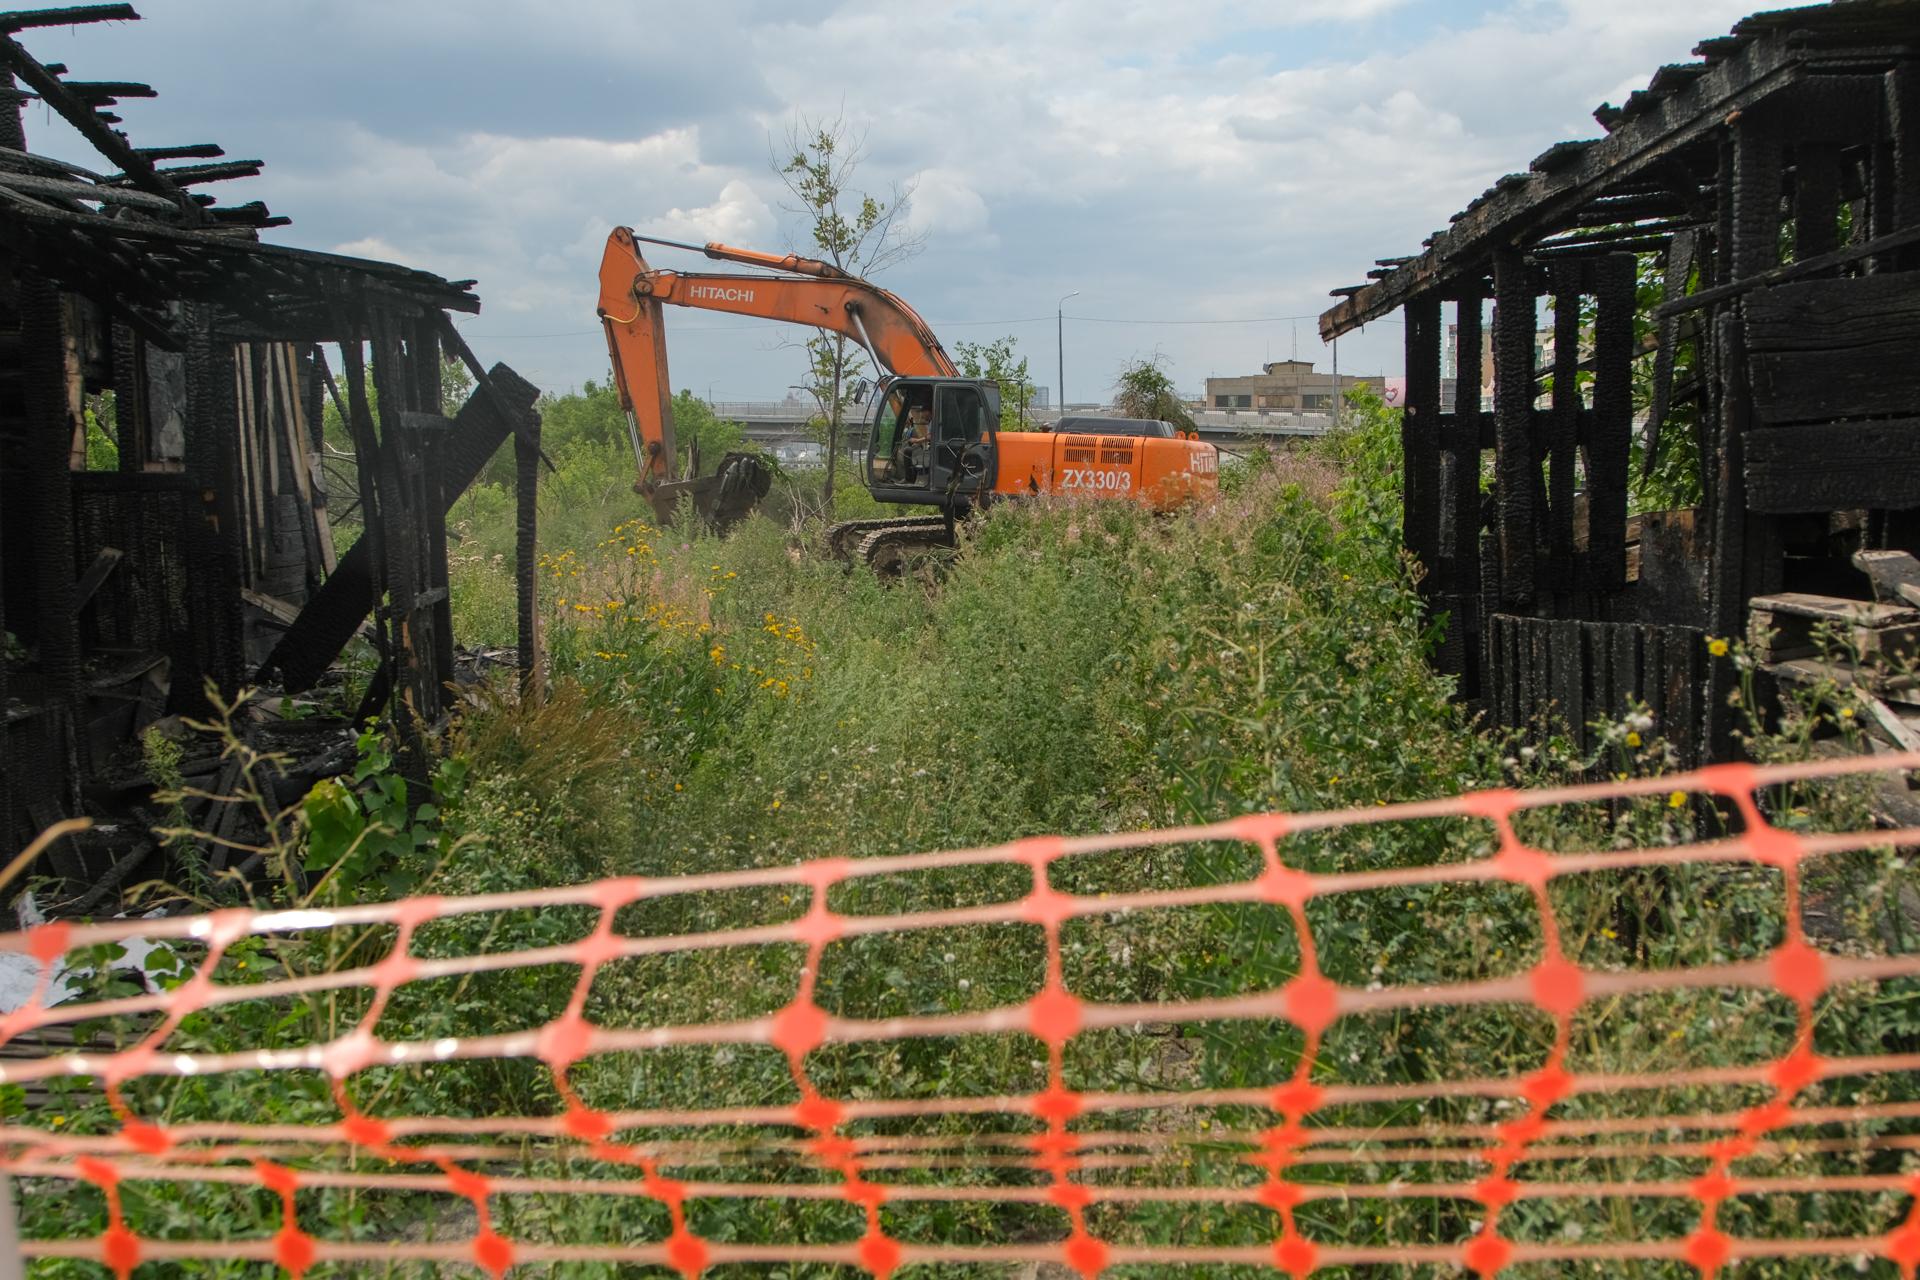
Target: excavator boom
632, 295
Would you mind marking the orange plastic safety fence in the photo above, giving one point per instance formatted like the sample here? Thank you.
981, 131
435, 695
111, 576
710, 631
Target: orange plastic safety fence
1478, 1164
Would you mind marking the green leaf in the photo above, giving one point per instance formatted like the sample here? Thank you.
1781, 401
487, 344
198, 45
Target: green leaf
334, 823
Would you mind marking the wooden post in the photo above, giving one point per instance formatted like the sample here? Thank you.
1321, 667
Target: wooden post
1461, 540
1609, 441
526, 489
424, 351
1563, 434
1420, 439
417, 700
49, 436
1740, 542
366, 451
1514, 465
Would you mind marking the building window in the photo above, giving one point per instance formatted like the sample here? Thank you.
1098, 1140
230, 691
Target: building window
1243, 402
1314, 400
1223, 402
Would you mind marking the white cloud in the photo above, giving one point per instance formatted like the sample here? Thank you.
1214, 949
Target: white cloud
945, 205
737, 216
1218, 158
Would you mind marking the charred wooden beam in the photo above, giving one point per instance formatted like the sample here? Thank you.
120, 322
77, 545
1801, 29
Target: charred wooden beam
104, 93
1580, 237
188, 175
1563, 422
1636, 244
77, 113
66, 16
70, 189
1679, 269
1420, 437
49, 432
1609, 439
1837, 466
1516, 469
188, 151
528, 428
251, 214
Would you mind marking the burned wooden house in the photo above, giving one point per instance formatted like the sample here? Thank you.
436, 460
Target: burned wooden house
1722, 293
188, 542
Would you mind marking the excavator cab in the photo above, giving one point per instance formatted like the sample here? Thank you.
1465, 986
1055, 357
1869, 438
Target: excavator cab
934, 440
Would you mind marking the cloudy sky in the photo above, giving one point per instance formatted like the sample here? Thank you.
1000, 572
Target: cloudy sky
1200, 171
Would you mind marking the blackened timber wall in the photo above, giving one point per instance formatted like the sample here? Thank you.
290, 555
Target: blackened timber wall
330, 619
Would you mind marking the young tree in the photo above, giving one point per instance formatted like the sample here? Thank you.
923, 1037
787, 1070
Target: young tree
996, 360
852, 229
1145, 391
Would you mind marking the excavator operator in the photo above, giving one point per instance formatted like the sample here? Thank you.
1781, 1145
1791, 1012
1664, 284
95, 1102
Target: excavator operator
912, 453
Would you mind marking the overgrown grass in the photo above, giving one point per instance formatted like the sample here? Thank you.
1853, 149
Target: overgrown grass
1073, 667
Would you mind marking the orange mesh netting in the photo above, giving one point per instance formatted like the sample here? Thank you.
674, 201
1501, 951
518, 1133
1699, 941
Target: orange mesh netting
1291, 1149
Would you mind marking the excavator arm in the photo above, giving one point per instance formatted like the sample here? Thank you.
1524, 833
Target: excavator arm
817, 295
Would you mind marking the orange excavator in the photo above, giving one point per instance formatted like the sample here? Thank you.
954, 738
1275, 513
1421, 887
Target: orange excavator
933, 436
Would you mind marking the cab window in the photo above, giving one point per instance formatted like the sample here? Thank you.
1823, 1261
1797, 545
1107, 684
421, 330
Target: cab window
961, 417
886, 429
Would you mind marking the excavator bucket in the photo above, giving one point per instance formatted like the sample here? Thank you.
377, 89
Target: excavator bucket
721, 500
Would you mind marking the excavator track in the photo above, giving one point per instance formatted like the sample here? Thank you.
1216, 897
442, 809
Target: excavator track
843, 539
890, 551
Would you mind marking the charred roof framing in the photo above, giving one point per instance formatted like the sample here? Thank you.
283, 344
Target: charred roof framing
1768, 197
205, 553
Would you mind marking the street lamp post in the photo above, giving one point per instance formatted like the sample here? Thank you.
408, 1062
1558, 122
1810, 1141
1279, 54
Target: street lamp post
1060, 346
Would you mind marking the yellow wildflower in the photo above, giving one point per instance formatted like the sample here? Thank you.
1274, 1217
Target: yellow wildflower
1717, 647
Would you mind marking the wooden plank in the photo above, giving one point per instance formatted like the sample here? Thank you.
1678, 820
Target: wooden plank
103, 562
1835, 315
1874, 378
1882, 715
267, 401
1597, 658
1540, 687
1823, 349
1834, 466
1626, 668
281, 611
249, 495
300, 459
1569, 676
1862, 613
1895, 574
1520, 671
1782, 637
